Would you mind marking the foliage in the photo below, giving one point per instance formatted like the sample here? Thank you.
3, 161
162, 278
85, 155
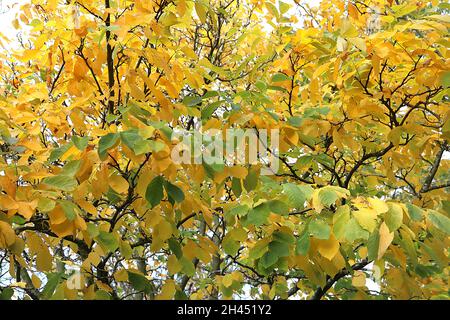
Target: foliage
359, 92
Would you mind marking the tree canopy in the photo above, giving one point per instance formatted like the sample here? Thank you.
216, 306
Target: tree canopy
93, 205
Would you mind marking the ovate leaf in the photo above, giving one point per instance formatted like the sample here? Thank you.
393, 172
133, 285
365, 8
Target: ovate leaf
107, 240
175, 193
394, 217
61, 182
107, 142
154, 193
319, 229
439, 221
303, 244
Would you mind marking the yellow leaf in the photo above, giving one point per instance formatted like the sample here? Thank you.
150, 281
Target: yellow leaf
121, 275
44, 260
291, 136
201, 12
167, 291
26, 209
173, 265
36, 281
118, 183
87, 206
63, 229
8, 203
328, 248
163, 231
359, 279
57, 215
227, 280
444, 18
20, 284
238, 172
7, 235
386, 238
367, 218
359, 43
378, 205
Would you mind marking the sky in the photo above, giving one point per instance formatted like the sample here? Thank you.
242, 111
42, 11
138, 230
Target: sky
8, 10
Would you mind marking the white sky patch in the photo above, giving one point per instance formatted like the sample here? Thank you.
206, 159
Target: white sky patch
8, 11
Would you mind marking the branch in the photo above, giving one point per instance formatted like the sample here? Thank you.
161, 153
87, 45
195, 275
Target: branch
445, 185
58, 74
320, 292
367, 156
88, 10
427, 184
110, 61
182, 221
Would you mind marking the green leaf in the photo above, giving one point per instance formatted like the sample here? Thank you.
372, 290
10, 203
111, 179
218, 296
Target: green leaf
107, 142
373, 245
327, 197
46, 205
175, 193
236, 187
230, 246
278, 77
155, 146
80, 142
268, 259
258, 215
353, 231
58, 152
139, 282
284, 7
303, 244
258, 250
283, 237
208, 111
394, 217
415, 212
61, 182
319, 229
192, 101
125, 249
439, 221
251, 180
102, 295
278, 207
52, 282
175, 247
240, 210
340, 220
18, 220
280, 249
130, 137
154, 193
445, 79
188, 267
297, 122
70, 209
108, 241
307, 191
92, 230
71, 168
6, 294
295, 195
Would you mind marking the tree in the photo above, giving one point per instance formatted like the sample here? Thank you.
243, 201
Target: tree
93, 205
